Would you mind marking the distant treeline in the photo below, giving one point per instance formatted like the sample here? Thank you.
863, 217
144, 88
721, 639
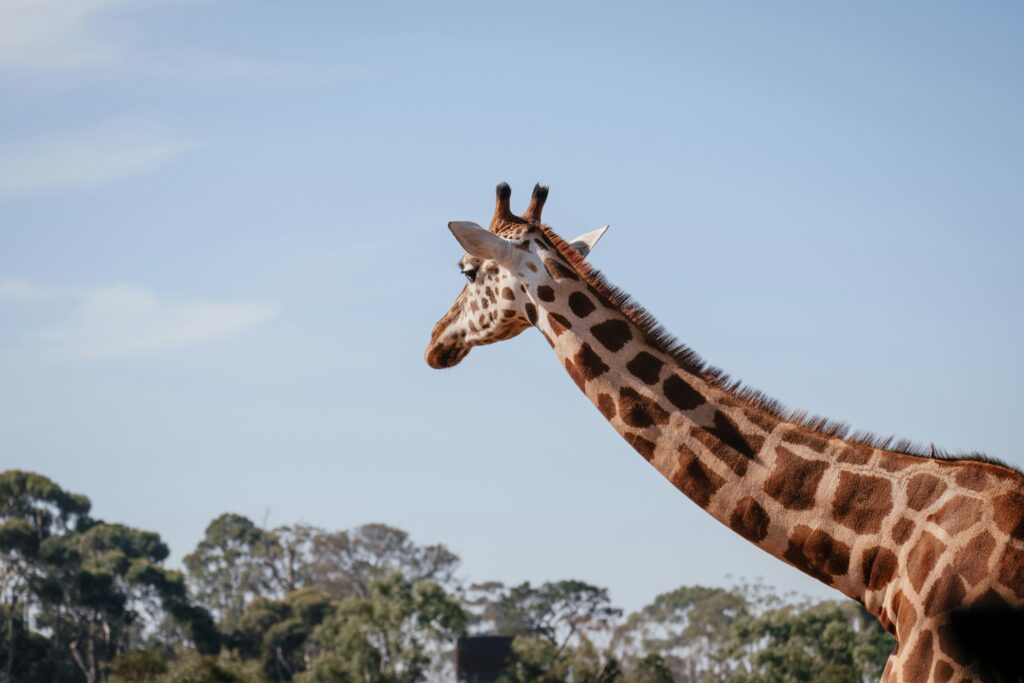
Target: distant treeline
83, 600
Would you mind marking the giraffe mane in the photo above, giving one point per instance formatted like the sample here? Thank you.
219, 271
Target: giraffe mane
690, 361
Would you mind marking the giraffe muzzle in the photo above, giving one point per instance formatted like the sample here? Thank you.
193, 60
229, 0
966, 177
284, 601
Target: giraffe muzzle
441, 356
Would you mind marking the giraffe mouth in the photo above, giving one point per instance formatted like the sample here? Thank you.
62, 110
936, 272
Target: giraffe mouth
442, 356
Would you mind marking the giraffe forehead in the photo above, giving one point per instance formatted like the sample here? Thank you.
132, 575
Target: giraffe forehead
512, 230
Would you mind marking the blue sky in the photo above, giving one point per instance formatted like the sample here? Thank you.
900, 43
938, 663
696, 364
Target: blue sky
223, 246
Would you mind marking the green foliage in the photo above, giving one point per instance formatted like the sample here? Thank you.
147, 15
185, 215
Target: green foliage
749, 634
555, 611
538, 660
832, 642
237, 561
138, 666
32, 510
276, 632
40, 502
535, 660
31, 662
346, 563
384, 637
90, 583
228, 567
651, 669
198, 669
691, 628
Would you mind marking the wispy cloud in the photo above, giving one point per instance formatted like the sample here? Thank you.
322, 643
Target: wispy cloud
211, 68
92, 156
16, 289
109, 322
67, 35
54, 33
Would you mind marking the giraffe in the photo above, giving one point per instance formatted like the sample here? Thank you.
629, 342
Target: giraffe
933, 545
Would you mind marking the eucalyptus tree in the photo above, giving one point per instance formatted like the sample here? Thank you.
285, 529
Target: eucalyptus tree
347, 563
32, 509
229, 567
102, 585
557, 611
386, 636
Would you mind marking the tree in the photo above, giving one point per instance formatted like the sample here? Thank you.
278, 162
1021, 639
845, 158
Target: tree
138, 666
385, 636
538, 660
229, 567
479, 601
535, 660
290, 555
831, 642
204, 669
276, 632
33, 662
651, 669
32, 509
99, 585
555, 611
237, 561
346, 563
690, 629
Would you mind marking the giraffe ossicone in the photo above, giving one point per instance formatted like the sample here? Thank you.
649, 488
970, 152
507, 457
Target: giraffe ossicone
933, 546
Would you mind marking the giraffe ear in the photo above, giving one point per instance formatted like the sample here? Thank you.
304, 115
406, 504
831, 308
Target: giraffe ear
482, 243
585, 242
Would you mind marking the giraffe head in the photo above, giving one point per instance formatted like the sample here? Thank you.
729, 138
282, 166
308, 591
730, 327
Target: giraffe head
505, 266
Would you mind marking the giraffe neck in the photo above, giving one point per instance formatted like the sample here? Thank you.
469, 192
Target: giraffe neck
755, 473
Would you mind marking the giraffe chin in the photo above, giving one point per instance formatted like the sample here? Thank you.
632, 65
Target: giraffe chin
440, 356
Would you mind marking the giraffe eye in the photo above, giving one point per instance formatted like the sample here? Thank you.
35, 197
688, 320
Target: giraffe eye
470, 274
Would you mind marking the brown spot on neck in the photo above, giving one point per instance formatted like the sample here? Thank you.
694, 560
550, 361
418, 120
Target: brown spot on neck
558, 271
793, 480
559, 323
637, 410
958, 514
679, 392
855, 454
816, 553
749, 520
878, 566
694, 479
1009, 514
612, 334
923, 490
642, 445
580, 304
918, 662
606, 404
922, 559
804, 438
589, 363
724, 441
645, 367
862, 501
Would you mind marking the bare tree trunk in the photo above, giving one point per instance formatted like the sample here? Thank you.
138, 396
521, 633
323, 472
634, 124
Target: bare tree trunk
9, 675
86, 664
92, 675
77, 656
58, 633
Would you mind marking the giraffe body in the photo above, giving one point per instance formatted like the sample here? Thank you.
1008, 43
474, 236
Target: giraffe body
934, 547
